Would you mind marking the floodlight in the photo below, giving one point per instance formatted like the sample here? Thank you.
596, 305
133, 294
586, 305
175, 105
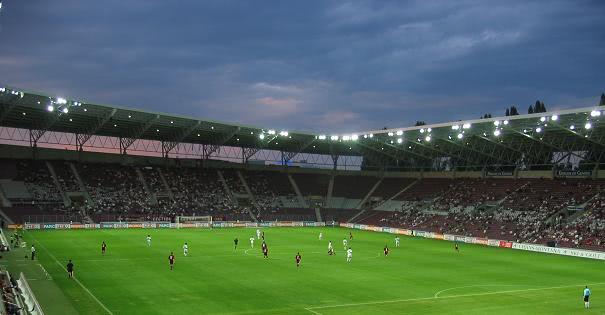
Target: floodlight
496, 123
354, 137
460, 136
428, 138
505, 122
50, 108
399, 132
429, 130
346, 138
333, 138
538, 130
61, 100
390, 134
261, 136
588, 125
572, 127
283, 133
371, 135
399, 140
422, 130
542, 119
271, 132
496, 132
595, 113
455, 127
466, 126
65, 110
554, 117
322, 137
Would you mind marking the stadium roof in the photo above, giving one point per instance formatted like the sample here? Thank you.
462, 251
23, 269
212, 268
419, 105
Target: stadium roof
524, 139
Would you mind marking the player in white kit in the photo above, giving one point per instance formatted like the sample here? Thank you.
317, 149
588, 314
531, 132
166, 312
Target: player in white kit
148, 240
257, 234
396, 241
185, 249
344, 243
349, 254
252, 242
321, 236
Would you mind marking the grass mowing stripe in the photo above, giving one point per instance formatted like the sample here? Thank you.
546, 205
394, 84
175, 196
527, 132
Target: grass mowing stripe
451, 296
77, 281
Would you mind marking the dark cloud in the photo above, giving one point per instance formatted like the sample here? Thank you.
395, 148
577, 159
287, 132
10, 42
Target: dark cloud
310, 65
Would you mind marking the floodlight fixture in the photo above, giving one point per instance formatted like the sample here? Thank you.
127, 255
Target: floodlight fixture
261, 136
588, 125
595, 113
50, 108
399, 132
497, 132
400, 141
554, 117
466, 126
61, 100
428, 138
538, 130
65, 110
460, 136
334, 138
322, 137
455, 127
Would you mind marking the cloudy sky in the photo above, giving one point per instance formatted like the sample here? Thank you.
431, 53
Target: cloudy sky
309, 65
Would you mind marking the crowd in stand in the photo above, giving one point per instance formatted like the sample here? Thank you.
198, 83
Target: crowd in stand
524, 210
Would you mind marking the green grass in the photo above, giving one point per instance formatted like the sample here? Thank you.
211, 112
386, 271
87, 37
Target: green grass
421, 277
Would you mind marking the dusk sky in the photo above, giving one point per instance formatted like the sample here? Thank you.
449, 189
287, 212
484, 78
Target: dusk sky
323, 66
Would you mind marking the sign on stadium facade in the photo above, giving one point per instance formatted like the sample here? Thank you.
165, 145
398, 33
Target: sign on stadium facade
574, 173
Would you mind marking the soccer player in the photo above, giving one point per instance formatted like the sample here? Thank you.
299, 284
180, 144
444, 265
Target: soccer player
344, 243
33, 250
349, 254
298, 258
386, 250
396, 241
171, 260
262, 235
148, 240
321, 236
252, 242
586, 296
70, 269
103, 248
350, 236
257, 234
330, 248
265, 250
235, 241
185, 249
457, 248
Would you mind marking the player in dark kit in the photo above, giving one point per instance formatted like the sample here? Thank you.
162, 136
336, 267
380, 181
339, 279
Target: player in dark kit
70, 269
386, 250
298, 258
265, 250
263, 235
103, 248
350, 236
235, 241
456, 247
171, 260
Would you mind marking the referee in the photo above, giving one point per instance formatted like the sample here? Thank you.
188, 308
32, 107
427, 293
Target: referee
586, 296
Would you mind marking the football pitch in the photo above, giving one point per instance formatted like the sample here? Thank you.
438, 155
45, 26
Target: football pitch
422, 276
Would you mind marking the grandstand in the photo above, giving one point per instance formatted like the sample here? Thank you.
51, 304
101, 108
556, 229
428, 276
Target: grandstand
533, 178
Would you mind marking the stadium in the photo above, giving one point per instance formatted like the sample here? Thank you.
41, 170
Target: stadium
109, 209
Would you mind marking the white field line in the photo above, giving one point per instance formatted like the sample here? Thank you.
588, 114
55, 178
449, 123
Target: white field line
481, 285
311, 309
75, 279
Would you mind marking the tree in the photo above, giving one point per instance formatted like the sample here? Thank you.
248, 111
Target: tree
420, 123
514, 111
543, 107
602, 102
530, 110
507, 113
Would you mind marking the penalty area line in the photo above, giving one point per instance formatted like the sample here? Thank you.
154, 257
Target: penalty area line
77, 281
311, 309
